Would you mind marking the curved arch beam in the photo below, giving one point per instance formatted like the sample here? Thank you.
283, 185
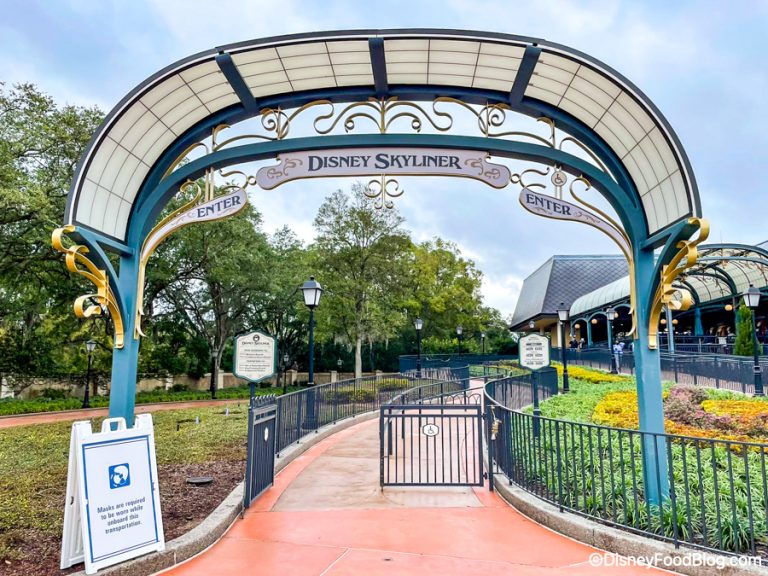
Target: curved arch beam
152, 203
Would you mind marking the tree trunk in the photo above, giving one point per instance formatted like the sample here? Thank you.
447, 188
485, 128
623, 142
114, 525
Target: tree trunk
358, 357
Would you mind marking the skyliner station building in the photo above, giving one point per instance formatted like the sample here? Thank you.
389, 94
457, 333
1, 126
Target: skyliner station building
596, 287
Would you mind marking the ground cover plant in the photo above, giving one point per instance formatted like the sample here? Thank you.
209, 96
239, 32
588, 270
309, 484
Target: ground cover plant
33, 475
718, 498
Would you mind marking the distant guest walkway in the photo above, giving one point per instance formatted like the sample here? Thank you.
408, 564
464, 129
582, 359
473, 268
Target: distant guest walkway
326, 516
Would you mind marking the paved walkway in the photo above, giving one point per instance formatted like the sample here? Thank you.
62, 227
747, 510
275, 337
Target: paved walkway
88, 413
326, 516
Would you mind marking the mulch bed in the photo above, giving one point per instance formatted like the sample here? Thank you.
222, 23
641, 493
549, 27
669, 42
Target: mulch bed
183, 505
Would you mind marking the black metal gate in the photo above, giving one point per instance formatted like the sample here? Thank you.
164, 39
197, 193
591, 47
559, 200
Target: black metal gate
431, 444
260, 460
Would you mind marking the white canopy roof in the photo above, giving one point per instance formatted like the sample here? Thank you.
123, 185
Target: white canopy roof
154, 115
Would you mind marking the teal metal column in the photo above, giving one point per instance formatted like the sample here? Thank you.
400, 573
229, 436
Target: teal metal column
670, 332
648, 373
122, 395
698, 329
589, 333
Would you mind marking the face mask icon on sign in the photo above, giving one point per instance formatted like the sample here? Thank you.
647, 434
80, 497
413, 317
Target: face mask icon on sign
119, 476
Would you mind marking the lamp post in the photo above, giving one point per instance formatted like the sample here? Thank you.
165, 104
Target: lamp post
611, 316
90, 346
752, 300
214, 371
563, 314
482, 341
286, 359
312, 292
459, 331
418, 324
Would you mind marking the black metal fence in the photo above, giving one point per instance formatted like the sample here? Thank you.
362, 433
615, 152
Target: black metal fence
718, 489
450, 361
711, 370
305, 411
260, 458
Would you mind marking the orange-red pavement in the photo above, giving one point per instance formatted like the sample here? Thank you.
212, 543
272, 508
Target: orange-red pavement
88, 413
325, 515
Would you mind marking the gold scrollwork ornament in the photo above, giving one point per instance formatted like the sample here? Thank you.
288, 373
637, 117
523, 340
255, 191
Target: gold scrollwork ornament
382, 190
665, 293
84, 306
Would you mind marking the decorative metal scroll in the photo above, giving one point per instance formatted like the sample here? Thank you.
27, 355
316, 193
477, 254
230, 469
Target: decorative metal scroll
556, 208
90, 305
204, 207
666, 293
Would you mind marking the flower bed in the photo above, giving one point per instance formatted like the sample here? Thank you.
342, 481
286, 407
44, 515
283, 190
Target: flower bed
689, 412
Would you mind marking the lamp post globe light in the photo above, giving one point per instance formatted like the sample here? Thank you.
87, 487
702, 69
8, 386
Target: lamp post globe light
418, 324
752, 300
563, 314
459, 332
312, 291
90, 346
482, 341
611, 314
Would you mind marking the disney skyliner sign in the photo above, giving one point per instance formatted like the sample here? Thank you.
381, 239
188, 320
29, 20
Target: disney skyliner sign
112, 511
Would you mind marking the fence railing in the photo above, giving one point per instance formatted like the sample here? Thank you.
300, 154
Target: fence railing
408, 362
303, 412
710, 370
718, 489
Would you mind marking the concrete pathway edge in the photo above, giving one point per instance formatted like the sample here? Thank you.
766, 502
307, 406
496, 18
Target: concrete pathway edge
608, 538
218, 522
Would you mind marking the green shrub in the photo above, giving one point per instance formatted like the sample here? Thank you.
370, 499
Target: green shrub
53, 393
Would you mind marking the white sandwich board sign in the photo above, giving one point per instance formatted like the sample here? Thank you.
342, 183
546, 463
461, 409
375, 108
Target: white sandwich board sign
112, 510
534, 351
255, 356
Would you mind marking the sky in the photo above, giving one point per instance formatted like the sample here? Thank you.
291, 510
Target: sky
701, 62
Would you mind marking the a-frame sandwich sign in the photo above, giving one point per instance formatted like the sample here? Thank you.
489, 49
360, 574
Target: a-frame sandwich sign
112, 509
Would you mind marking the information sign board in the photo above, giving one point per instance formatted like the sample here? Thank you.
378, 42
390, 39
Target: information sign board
534, 351
255, 356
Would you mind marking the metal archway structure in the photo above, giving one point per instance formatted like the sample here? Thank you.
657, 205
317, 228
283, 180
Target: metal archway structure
618, 143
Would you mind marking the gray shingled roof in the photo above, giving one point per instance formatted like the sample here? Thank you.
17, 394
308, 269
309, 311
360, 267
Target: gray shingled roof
563, 279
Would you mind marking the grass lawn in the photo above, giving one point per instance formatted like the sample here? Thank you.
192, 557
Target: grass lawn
33, 477
10, 406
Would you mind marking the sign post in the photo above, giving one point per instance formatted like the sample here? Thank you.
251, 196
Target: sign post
535, 354
255, 358
112, 510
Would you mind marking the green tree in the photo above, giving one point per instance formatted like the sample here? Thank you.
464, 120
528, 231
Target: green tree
444, 290
208, 277
279, 309
40, 144
362, 256
744, 345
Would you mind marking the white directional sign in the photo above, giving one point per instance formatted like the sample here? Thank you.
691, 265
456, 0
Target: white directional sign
255, 356
551, 207
534, 351
112, 510
391, 161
